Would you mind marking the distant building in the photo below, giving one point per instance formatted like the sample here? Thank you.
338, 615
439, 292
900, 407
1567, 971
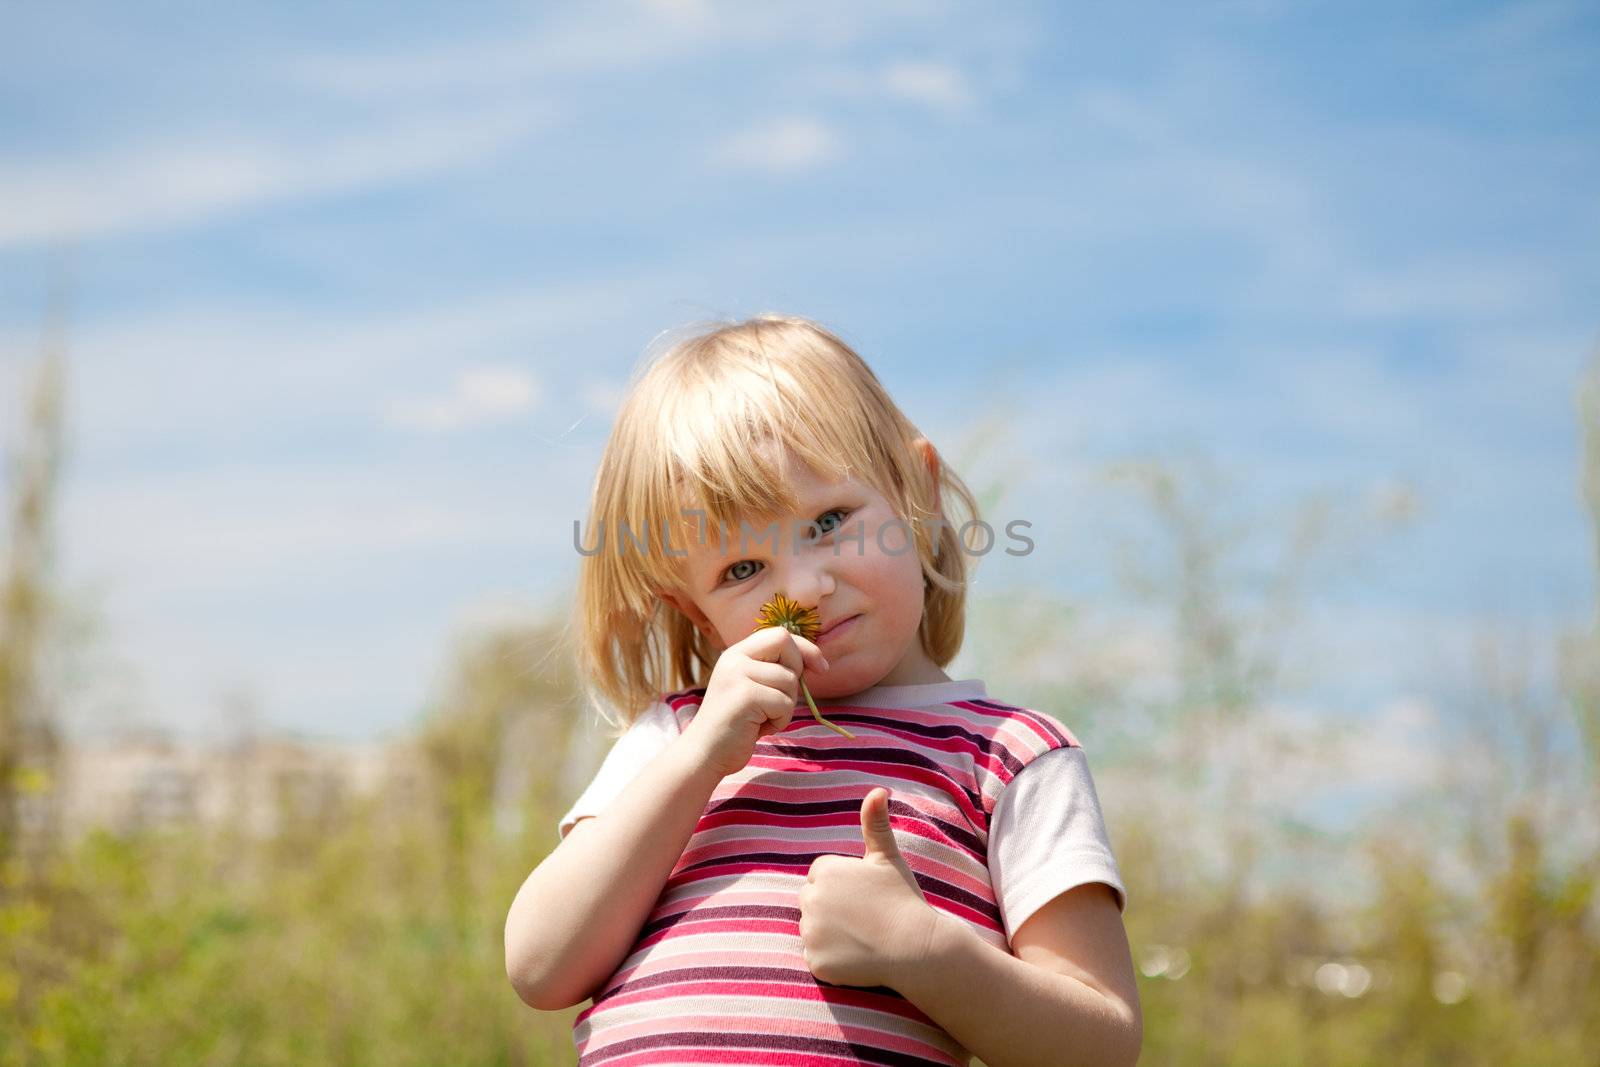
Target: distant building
147, 780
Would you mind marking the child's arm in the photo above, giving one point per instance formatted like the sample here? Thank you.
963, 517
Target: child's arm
577, 915
579, 912
1067, 997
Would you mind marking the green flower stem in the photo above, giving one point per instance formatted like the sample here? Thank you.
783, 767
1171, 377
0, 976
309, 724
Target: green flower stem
818, 715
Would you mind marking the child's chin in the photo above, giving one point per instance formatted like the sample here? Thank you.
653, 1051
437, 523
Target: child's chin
835, 682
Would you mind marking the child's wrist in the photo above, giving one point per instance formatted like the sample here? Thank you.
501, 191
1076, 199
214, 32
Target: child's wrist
928, 944
697, 760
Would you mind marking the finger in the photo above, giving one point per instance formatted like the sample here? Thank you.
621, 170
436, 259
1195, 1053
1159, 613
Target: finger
876, 832
790, 654
801, 654
773, 675
776, 677
775, 644
777, 722
769, 643
812, 655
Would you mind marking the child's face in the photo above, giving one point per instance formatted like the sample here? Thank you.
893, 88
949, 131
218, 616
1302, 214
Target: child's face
872, 575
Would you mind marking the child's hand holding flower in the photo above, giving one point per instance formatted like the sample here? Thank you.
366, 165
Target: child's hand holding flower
862, 921
781, 611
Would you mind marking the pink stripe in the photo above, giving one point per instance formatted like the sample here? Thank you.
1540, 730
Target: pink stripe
776, 840
781, 840
823, 1028
921, 776
660, 965
783, 1057
917, 787
927, 807
955, 876
959, 744
802, 989
724, 869
726, 900
744, 991
853, 847
739, 925
1047, 731
791, 961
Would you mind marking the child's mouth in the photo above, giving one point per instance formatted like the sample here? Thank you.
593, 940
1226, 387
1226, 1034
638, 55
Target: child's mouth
837, 629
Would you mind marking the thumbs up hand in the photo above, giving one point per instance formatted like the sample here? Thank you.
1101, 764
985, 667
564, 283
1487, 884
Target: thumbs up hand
863, 920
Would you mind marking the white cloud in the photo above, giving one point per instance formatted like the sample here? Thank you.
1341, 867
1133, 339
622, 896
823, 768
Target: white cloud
594, 38
937, 84
326, 586
942, 87
481, 395
782, 146
246, 527
201, 374
157, 186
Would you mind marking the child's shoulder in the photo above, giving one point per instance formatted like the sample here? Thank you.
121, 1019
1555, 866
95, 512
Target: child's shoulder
1037, 728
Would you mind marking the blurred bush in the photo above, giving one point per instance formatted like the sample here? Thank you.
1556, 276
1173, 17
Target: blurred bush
366, 928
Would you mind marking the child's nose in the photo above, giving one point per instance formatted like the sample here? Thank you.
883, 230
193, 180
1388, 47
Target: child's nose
809, 581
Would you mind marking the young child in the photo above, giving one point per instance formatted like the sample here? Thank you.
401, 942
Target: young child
917, 873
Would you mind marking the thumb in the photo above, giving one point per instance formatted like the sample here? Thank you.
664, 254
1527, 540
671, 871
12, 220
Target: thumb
876, 832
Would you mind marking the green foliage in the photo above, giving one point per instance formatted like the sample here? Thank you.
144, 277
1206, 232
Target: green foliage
373, 935
369, 930
353, 944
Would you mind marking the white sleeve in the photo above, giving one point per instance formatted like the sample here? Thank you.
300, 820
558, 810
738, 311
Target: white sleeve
651, 733
1047, 836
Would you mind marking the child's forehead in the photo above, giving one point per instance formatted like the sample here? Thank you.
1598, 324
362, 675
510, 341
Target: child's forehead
790, 462
805, 480
811, 491
713, 532
786, 466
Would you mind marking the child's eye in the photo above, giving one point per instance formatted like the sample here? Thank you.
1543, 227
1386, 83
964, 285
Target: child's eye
841, 512
826, 529
729, 573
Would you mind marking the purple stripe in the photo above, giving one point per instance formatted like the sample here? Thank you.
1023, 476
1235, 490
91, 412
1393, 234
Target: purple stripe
779, 811
757, 1042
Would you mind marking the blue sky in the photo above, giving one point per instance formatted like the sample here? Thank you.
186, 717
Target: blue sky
354, 292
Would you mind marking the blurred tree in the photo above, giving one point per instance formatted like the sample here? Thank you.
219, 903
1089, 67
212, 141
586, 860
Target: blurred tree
29, 742
1580, 653
494, 746
1233, 608
1521, 809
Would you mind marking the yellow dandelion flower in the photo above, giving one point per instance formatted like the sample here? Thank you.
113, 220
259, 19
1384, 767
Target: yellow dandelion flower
789, 614
781, 611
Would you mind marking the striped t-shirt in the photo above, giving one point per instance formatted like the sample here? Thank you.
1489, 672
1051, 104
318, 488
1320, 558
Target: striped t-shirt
717, 975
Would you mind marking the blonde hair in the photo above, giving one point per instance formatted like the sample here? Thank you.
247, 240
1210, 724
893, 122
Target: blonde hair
684, 438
